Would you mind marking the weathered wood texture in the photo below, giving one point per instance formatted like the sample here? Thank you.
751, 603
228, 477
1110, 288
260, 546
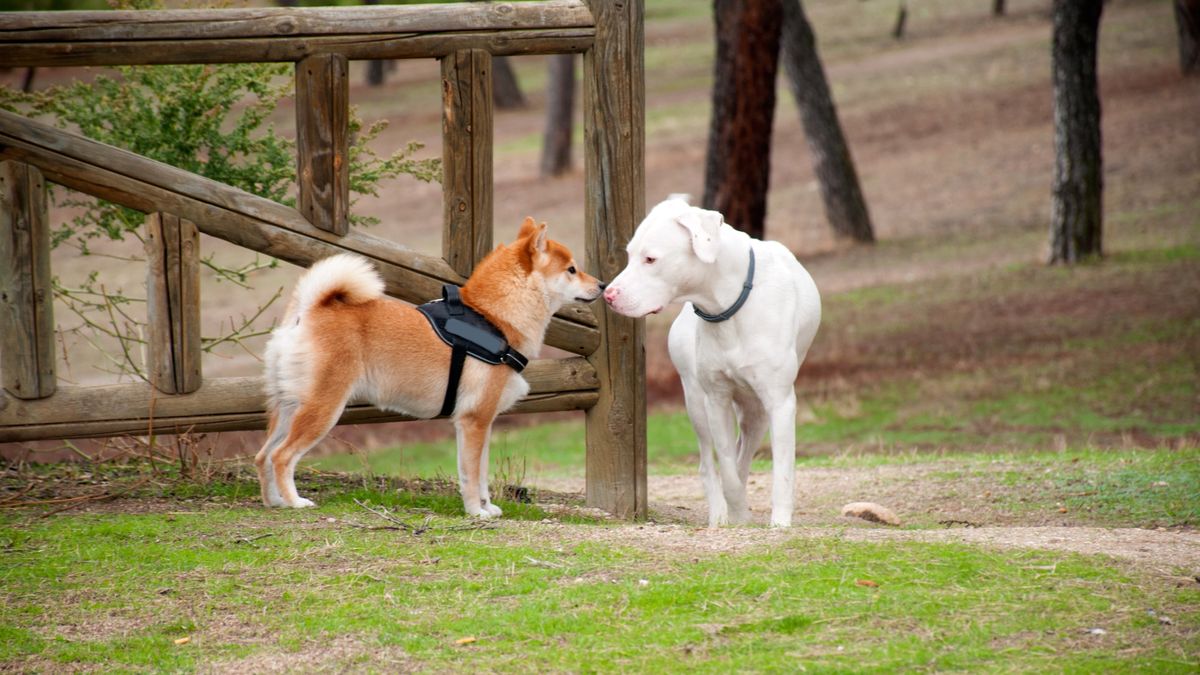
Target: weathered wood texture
26, 298
244, 219
614, 140
466, 158
323, 141
238, 403
290, 34
258, 50
269, 22
173, 303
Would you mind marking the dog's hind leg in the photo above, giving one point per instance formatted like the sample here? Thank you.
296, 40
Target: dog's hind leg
278, 425
723, 427
753, 424
312, 419
783, 457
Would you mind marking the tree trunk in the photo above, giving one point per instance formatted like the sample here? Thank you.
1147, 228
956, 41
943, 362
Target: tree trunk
1187, 21
845, 208
560, 111
738, 165
901, 19
506, 92
1076, 215
997, 7
375, 67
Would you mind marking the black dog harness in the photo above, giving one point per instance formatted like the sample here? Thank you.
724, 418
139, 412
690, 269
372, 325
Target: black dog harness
467, 332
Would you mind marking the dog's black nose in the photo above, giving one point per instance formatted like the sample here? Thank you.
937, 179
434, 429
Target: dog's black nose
602, 285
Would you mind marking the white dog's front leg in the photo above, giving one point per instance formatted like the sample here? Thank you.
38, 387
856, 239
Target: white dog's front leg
783, 459
718, 511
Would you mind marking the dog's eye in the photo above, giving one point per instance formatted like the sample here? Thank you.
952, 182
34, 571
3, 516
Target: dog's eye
571, 269
650, 260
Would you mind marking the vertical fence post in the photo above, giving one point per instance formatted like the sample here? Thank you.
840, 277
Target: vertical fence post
173, 303
26, 298
467, 158
614, 143
322, 140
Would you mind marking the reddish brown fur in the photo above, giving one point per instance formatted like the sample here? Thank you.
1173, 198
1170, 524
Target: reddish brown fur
403, 354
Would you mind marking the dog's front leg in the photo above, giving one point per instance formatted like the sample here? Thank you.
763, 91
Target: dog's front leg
783, 457
697, 407
474, 433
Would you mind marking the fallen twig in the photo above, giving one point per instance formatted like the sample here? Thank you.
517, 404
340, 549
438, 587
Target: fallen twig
100, 497
417, 530
251, 540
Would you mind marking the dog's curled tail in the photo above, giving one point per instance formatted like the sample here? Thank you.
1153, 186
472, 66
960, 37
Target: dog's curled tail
343, 278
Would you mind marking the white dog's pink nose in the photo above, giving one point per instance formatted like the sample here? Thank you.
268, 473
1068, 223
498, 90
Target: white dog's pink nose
610, 294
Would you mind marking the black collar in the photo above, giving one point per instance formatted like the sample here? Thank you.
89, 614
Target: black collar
717, 318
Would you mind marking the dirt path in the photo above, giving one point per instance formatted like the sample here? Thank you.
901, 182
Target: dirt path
964, 515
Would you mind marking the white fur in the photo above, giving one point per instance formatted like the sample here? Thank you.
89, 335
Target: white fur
350, 273
737, 375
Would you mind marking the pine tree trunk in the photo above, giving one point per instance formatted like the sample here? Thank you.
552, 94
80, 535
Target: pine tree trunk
560, 106
997, 7
1076, 215
901, 19
738, 166
506, 91
845, 208
1187, 21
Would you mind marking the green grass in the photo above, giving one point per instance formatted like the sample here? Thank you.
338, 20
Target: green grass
117, 591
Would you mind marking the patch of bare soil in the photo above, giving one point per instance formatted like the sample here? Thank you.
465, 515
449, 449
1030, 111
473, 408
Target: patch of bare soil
973, 508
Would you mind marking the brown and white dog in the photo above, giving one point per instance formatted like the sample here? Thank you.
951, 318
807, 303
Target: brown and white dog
342, 338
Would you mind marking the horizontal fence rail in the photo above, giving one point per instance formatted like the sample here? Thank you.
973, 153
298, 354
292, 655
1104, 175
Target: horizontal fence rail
291, 34
244, 219
237, 403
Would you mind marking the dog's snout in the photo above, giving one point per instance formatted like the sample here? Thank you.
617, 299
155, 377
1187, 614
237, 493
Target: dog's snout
601, 284
610, 294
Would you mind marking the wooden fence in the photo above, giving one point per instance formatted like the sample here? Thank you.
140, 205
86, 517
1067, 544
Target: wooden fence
606, 378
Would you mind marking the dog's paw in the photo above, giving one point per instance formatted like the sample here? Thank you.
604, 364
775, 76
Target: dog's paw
718, 517
781, 520
740, 516
492, 510
302, 503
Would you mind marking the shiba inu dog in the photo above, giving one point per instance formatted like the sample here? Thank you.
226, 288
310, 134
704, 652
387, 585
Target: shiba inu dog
341, 338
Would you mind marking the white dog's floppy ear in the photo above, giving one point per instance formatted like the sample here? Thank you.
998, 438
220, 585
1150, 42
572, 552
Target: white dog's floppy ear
704, 227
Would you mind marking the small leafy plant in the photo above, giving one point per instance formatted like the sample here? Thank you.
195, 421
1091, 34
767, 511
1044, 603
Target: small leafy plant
211, 120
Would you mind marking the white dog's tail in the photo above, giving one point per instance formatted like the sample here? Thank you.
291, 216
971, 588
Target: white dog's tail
343, 278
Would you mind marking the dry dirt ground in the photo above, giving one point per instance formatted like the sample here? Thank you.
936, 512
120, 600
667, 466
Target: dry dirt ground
965, 509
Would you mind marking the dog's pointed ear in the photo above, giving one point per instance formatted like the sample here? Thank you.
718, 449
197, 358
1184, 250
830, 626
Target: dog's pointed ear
531, 241
704, 226
528, 228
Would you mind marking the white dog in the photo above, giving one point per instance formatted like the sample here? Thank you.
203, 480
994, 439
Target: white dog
738, 360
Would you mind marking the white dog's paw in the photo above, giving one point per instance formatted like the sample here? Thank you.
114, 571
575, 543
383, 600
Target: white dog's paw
273, 500
492, 510
781, 519
302, 503
718, 517
740, 516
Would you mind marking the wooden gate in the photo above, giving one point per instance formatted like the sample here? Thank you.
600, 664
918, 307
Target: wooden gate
606, 378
